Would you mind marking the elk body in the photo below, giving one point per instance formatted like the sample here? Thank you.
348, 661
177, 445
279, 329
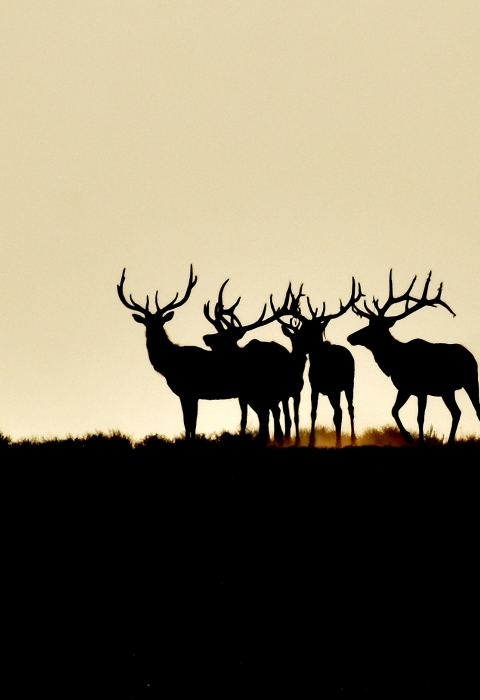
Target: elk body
332, 367
259, 364
192, 373
418, 368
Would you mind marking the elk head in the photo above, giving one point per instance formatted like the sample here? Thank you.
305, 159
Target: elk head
293, 329
229, 327
310, 332
379, 323
162, 314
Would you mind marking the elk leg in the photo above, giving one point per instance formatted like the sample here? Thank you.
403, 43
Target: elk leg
263, 419
243, 421
351, 413
288, 420
472, 391
296, 406
313, 415
277, 431
451, 404
402, 398
194, 417
422, 404
190, 411
337, 417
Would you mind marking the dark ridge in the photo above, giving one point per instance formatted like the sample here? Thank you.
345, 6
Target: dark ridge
238, 570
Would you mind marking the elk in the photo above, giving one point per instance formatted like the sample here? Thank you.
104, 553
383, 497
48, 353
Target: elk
292, 374
417, 368
192, 373
332, 367
258, 363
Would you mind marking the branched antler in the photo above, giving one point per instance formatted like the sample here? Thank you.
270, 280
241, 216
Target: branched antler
290, 307
381, 311
324, 318
225, 319
174, 304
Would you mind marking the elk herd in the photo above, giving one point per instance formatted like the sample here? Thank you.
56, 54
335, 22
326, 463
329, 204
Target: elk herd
265, 375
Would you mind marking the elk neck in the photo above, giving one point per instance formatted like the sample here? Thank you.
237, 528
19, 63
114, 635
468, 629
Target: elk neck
319, 350
387, 351
161, 350
299, 355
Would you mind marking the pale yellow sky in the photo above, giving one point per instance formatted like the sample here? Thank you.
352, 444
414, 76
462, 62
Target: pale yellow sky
261, 141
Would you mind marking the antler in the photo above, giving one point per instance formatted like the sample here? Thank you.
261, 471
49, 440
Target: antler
326, 318
225, 319
219, 321
290, 307
174, 304
380, 311
133, 305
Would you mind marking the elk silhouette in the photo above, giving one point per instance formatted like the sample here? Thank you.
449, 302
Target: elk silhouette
258, 364
332, 367
417, 367
192, 373
291, 374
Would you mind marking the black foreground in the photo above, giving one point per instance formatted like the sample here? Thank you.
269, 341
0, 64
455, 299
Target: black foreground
223, 570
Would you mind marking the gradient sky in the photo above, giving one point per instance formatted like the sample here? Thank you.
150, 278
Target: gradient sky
264, 141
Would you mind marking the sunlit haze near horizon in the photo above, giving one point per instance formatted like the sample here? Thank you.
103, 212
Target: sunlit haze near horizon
264, 142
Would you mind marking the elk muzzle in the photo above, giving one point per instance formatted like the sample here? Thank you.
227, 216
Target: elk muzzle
359, 337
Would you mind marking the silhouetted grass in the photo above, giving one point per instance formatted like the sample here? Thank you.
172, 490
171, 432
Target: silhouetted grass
114, 444
5, 442
387, 436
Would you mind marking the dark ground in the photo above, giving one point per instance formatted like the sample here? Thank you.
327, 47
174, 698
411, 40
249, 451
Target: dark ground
226, 571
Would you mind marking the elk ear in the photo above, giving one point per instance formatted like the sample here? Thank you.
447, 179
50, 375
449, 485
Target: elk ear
139, 319
287, 331
389, 321
168, 317
207, 340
